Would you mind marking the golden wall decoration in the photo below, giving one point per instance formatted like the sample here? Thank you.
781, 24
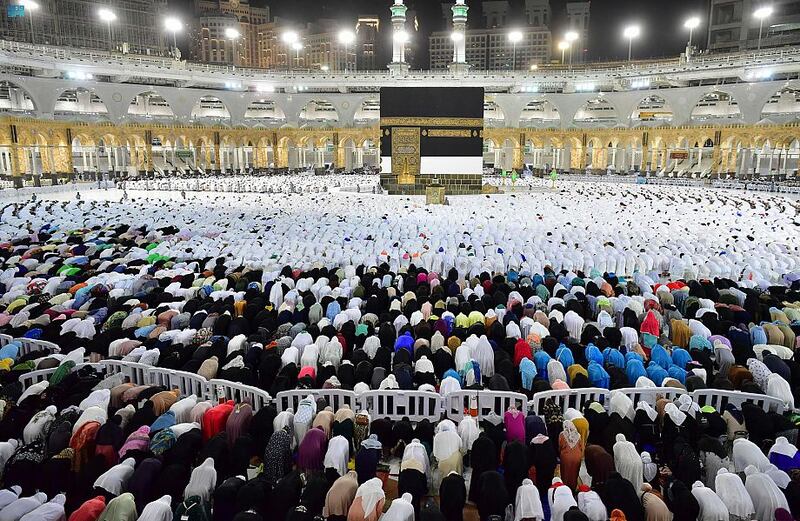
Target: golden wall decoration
449, 132
406, 154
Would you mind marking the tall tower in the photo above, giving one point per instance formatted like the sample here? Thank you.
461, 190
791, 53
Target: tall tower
459, 37
399, 38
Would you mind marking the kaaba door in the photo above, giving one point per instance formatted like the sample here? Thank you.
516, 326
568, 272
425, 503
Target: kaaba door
406, 154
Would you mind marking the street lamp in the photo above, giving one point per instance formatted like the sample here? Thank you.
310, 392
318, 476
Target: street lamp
173, 25
108, 16
346, 37
514, 37
570, 37
691, 24
563, 46
30, 6
297, 46
631, 32
233, 34
761, 13
289, 38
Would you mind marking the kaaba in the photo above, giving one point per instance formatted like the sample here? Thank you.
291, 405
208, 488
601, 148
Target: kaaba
431, 135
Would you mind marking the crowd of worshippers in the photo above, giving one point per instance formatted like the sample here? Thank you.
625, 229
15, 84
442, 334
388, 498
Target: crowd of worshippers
96, 447
260, 184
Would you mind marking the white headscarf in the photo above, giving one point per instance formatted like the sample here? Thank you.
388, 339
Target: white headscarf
158, 510
675, 414
19, 507
745, 453
731, 491
446, 442
337, 455
468, 432
417, 452
401, 509
649, 468
712, 508
203, 481
560, 500
766, 495
114, 479
592, 506
571, 433
528, 504
370, 492
622, 405
628, 462
9, 495
53, 510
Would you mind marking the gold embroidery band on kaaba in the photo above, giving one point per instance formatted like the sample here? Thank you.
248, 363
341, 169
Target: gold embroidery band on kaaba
448, 132
431, 122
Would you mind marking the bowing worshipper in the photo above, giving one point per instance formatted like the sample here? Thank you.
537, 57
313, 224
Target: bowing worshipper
628, 462
368, 457
764, 493
158, 510
368, 502
453, 496
121, 508
599, 465
202, 481
306, 410
570, 454
590, 503
784, 455
401, 509
336, 457
340, 496
113, 481
447, 449
712, 508
278, 454
312, 449
560, 500
734, 495
653, 503
528, 504
682, 503
619, 493
90, 510
494, 497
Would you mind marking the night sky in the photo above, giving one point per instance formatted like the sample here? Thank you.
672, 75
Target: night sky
661, 21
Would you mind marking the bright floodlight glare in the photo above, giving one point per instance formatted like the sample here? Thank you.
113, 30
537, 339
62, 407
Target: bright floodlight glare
106, 15
563, 46
763, 12
30, 5
534, 67
290, 37
571, 36
346, 36
173, 25
692, 23
325, 68
232, 33
515, 36
297, 46
401, 36
632, 31
457, 36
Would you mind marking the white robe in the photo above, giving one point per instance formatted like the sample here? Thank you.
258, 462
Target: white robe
337, 455
745, 453
159, 510
528, 503
590, 504
203, 481
732, 492
401, 509
561, 500
628, 462
15, 510
114, 479
53, 510
766, 495
712, 508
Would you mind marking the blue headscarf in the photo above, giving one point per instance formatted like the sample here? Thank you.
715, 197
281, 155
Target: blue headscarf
660, 356
656, 373
541, 358
614, 357
677, 373
634, 370
527, 371
332, 310
699, 342
564, 355
681, 357
404, 341
758, 335
452, 373
632, 355
598, 376
593, 354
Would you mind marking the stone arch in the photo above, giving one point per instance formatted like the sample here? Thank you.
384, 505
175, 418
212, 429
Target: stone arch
784, 105
652, 109
368, 112
150, 105
716, 105
210, 108
15, 99
319, 112
266, 111
79, 101
287, 153
540, 113
597, 111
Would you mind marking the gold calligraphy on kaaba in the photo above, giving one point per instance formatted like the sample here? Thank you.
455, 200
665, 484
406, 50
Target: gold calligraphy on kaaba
432, 122
449, 132
405, 154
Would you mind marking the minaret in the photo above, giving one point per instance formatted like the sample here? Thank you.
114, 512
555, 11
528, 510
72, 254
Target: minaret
459, 37
399, 38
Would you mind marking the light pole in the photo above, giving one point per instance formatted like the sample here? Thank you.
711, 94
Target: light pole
347, 37
631, 32
691, 24
30, 6
514, 37
297, 46
289, 38
571, 37
563, 46
761, 13
108, 16
233, 34
174, 26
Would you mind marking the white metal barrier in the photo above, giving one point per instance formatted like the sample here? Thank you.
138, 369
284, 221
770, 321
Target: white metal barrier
718, 399
336, 398
482, 403
40, 375
159, 376
30, 345
223, 389
575, 398
397, 404
5, 340
651, 394
190, 383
